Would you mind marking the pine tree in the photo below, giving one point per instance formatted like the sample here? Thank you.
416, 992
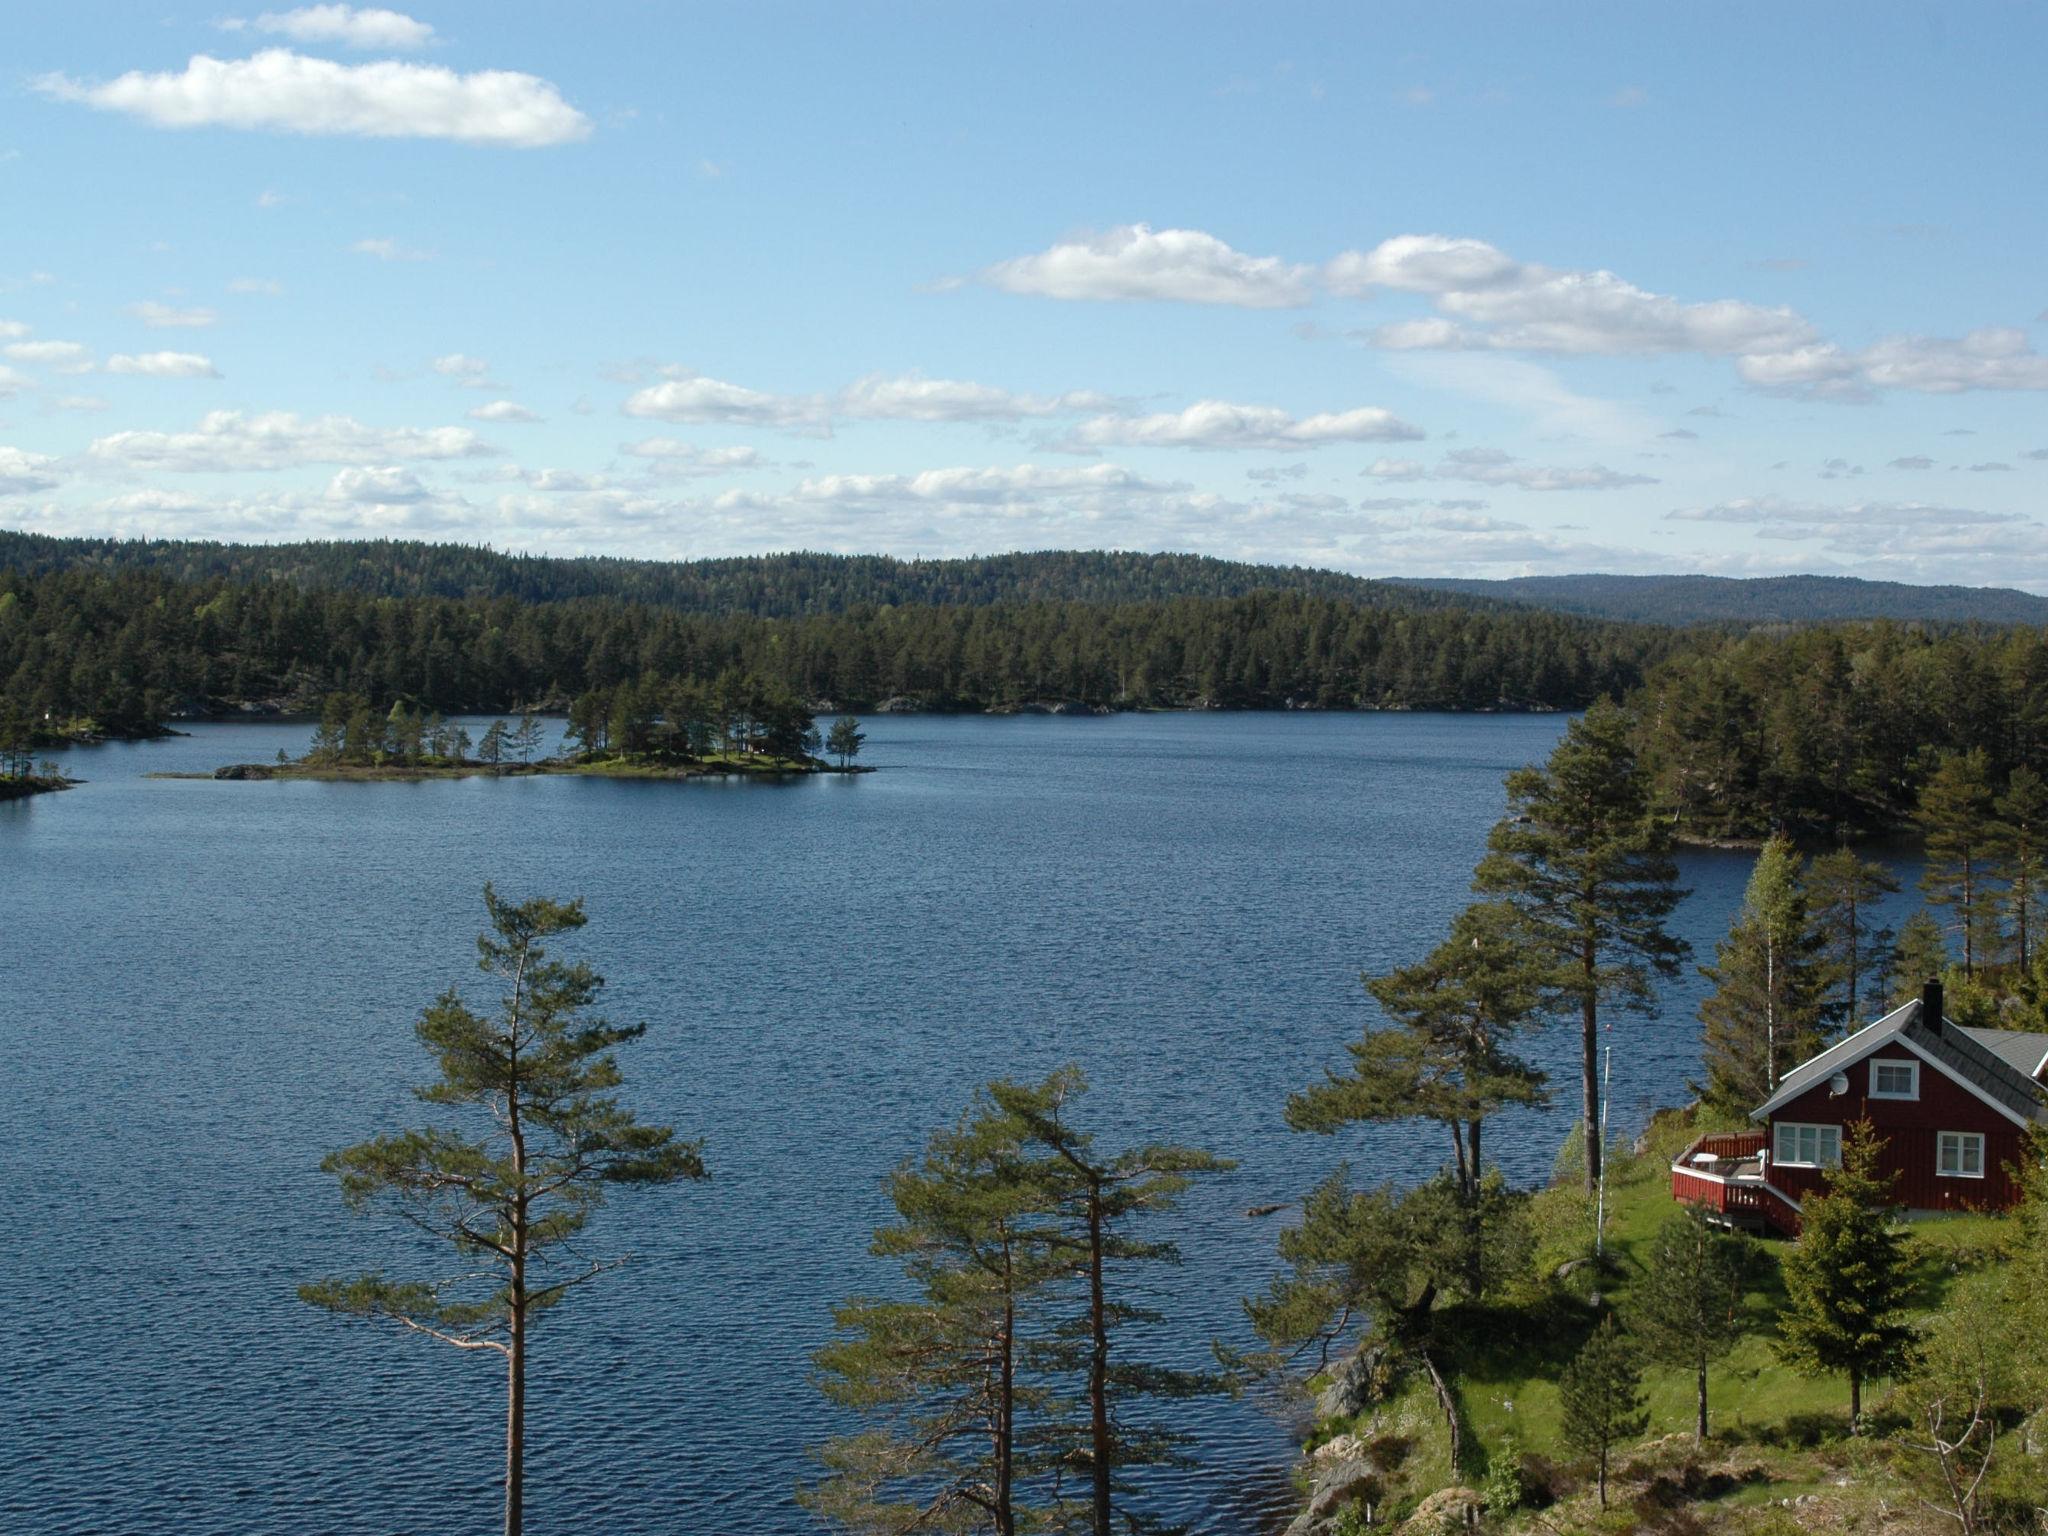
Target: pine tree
1601, 1397
1687, 1308
511, 1198
2020, 853
846, 740
1588, 868
949, 1382
1958, 817
524, 739
1842, 894
1846, 1283
1923, 956
1096, 1199
1447, 1057
491, 750
1764, 1014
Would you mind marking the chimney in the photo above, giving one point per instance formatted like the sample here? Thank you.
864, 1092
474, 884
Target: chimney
1930, 1005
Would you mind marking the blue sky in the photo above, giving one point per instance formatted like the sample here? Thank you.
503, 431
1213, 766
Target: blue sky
1401, 289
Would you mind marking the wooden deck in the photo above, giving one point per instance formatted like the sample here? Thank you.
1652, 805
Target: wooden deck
1726, 1176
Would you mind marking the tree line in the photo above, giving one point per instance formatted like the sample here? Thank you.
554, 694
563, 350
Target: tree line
127, 651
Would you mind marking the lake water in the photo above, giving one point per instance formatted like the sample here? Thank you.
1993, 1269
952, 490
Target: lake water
209, 985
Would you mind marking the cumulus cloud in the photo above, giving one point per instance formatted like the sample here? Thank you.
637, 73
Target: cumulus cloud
1490, 466
1816, 517
502, 410
163, 365
268, 287
168, 317
1222, 425
1488, 300
23, 473
1135, 261
392, 485
235, 440
346, 25
59, 356
13, 382
698, 399
12, 328
911, 397
281, 91
1023, 482
1912, 461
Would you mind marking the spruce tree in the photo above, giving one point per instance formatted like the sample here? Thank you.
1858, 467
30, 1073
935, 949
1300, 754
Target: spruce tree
1842, 894
1587, 866
950, 1382
1847, 1281
1447, 1057
1687, 1308
1958, 818
512, 1197
1096, 1199
1764, 1014
2020, 851
1601, 1397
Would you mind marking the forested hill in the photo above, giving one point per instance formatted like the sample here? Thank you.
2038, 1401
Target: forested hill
794, 585
1749, 600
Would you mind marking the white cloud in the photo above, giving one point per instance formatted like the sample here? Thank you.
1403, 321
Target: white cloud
78, 403
1912, 461
1991, 357
675, 456
463, 367
386, 249
1024, 482
502, 410
704, 400
393, 485
1818, 517
61, 356
1487, 300
911, 397
1490, 466
23, 473
346, 25
12, 328
282, 91
234, 440
166, 317
1220, 424
269, 287
13, 382
1135, 261
163, 365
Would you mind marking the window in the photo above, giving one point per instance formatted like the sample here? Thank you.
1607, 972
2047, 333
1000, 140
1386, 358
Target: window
1959, 1155
1808, 1146
1895, 1079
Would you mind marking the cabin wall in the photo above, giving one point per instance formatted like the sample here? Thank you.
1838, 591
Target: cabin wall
1910, 1128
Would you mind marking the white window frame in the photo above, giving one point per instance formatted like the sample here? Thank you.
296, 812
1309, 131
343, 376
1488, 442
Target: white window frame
1822, 1134
1961, 1142
1912, 1070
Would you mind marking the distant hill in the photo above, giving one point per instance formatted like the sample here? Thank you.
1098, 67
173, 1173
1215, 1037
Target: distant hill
1750, 600
793, 585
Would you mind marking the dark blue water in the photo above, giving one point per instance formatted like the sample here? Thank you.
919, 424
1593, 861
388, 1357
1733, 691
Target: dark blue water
209, 985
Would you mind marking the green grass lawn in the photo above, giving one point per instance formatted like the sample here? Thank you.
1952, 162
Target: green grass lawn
1505, 1359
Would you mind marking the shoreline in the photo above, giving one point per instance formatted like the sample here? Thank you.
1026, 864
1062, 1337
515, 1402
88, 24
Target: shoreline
403, 773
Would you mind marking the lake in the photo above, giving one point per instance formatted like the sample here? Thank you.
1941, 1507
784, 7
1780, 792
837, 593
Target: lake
210, 985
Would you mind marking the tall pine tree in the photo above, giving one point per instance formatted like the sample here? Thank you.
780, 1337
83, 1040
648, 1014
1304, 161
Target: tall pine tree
2020, 851
1958, 817
1843, 893
1764, 1014
1600, 1397
512, 1198
1587, 866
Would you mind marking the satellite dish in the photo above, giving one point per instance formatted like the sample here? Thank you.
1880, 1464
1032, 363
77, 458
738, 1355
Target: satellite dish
1838, 1085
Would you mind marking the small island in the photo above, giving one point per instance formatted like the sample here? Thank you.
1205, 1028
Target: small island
751, 733
20, 774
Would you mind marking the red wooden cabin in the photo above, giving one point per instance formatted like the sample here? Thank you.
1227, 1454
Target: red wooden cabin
1952, 1105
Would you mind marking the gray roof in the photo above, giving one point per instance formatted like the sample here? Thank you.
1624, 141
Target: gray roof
2015, 1047
1999, 1063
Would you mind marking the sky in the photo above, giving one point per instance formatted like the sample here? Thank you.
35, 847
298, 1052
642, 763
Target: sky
1400, 289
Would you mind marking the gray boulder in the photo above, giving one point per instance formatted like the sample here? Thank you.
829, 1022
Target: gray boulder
1359, 1382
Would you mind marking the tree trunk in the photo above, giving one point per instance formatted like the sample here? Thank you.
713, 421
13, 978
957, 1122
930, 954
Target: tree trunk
1855, 1400
515, 1411
1006, 1520
1098, 1364
1699, 1433
1589, 1025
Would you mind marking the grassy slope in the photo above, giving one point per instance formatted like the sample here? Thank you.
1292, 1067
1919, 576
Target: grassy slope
1780, 1432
